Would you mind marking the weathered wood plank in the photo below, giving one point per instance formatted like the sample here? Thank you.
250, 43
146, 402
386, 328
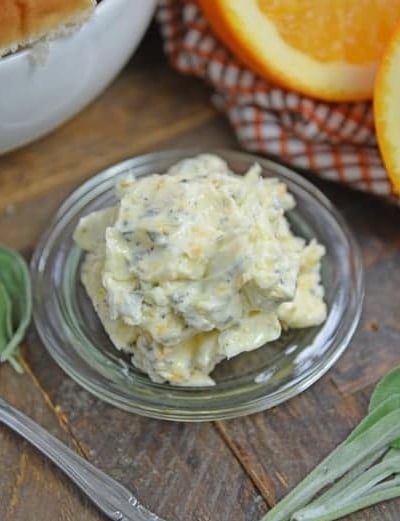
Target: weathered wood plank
182, 471
280, 447
19, 230
31, 487
134, 114
374, 349
375, 224
225, 471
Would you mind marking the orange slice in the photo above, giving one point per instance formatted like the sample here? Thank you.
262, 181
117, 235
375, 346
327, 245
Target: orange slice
387, 109
328, 49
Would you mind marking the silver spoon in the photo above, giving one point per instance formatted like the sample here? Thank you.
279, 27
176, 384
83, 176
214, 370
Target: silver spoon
110, 496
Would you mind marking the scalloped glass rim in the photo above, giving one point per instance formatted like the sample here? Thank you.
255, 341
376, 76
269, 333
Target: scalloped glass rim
252, 382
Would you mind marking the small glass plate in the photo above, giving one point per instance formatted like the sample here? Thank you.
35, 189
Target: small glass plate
251, 382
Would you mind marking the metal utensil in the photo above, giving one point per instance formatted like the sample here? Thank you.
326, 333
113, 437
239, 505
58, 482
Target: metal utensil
110, 496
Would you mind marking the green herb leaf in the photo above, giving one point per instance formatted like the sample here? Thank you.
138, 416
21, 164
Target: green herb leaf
358, 470
365, 485
378, 411
387, 387
337, 490
5, 318
344, 509
379, 435
16, 314
367, 480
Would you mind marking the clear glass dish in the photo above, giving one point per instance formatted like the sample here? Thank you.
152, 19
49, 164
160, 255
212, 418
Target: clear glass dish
251, 382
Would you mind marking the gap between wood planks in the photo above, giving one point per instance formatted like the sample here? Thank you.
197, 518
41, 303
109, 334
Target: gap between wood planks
265, 492
62, 418
13, 503
63, 421
261, 483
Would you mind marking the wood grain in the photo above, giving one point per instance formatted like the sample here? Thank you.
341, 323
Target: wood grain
280, 447
20, 231
138, 111
32, 488
182, 471
374, 350
226, 471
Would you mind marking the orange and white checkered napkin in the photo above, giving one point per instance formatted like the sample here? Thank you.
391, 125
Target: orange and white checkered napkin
335, 140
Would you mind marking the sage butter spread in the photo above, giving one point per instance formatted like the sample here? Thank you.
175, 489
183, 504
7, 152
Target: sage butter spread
197, 265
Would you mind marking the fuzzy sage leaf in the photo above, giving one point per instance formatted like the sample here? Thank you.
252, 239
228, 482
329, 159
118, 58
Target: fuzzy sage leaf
386, 388
377, 411
5, 318
363, 470
15, 303
339, 462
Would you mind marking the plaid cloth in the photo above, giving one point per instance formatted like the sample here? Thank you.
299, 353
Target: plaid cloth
334, 140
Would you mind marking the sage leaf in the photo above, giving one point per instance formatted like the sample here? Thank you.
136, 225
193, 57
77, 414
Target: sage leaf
5, 318
345, 457
342, 510
387, 387
16, 306
379, 409
367, 479
338, 489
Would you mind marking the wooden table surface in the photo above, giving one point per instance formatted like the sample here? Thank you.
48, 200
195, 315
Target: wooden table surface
221, 471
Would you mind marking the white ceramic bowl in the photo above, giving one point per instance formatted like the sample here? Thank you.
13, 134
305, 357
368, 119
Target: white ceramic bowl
37, 97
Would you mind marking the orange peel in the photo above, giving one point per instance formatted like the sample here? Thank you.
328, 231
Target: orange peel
326, 49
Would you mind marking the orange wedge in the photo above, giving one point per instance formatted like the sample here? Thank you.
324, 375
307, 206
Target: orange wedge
387, 109
328, 49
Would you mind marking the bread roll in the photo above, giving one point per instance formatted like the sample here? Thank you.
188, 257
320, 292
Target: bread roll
23, 22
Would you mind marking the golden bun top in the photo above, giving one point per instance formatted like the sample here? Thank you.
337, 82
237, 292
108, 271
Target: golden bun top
23, 22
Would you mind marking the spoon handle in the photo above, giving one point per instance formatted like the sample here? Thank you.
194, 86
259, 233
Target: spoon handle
110, 496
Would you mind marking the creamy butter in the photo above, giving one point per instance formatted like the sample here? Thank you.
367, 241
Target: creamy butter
198, 265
